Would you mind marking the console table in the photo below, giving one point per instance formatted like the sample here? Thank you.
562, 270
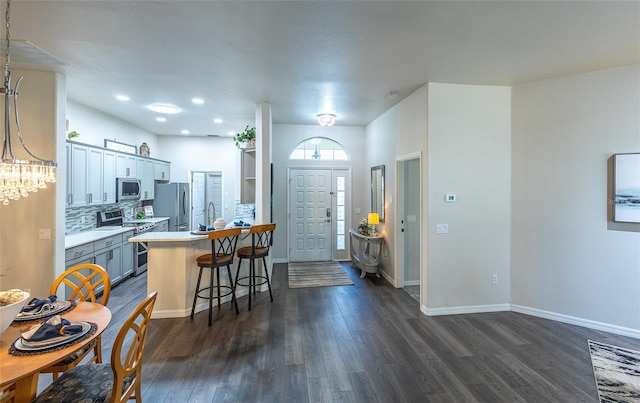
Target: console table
367, 256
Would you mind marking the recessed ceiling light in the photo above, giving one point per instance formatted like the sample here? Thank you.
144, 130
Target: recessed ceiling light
163, 108
217, 120
161, 119
197, 101
122, 97
184, 131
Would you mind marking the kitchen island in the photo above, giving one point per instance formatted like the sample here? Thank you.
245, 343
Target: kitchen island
173, 272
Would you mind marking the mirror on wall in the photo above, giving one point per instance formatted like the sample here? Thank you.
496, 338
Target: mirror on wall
377, 191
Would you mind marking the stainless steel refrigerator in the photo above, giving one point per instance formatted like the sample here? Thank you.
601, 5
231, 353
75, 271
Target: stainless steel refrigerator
172, 200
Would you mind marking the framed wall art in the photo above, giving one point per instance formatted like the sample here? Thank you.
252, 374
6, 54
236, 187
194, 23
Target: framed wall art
626, 171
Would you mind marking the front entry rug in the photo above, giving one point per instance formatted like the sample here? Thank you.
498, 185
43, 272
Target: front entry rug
617, 372
317, 274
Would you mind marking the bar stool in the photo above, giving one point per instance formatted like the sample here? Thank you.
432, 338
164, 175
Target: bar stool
223, 249
261, 241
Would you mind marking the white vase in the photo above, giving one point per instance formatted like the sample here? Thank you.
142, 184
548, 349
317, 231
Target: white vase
219, 223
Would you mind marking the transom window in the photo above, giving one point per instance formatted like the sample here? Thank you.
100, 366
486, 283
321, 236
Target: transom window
318, 148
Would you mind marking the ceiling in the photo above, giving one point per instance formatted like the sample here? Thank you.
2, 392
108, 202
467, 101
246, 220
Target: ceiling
308, 57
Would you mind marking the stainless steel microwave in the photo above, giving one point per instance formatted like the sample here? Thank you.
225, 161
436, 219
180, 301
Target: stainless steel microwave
128, 189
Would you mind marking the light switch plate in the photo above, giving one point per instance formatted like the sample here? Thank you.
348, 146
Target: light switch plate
450, 197
442, 228
411, 218
357, 210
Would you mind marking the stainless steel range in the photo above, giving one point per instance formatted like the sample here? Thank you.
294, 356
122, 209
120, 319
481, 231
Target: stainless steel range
142, 249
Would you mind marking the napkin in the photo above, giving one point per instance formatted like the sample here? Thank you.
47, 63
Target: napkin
55, 326
39, 305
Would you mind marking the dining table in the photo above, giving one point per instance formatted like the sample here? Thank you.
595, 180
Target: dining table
23, 370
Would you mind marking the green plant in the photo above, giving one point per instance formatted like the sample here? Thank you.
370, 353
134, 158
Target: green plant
249, 133
73, 134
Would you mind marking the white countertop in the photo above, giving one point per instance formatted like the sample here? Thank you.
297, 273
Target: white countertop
146, 220
95, 234
83, 237
182, 236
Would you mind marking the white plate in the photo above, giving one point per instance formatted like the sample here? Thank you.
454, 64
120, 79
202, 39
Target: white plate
24, 345
58, 306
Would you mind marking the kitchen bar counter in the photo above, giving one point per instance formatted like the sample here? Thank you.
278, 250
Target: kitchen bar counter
173, 272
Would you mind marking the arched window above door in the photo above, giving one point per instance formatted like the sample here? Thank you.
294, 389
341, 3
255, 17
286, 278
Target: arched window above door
319, 148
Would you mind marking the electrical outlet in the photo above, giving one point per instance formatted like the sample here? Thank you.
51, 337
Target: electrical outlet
83, 219
494, 279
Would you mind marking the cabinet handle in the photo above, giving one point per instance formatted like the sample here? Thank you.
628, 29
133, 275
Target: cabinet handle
128, 172
104, 197
110, 254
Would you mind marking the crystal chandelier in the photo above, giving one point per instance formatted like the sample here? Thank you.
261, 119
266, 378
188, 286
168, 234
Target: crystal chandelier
18, 177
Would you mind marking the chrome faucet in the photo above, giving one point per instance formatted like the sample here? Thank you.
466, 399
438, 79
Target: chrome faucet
210, 218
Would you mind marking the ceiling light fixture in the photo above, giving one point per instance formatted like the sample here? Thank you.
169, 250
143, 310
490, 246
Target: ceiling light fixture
197, 101
161, 119
184, 131
122, 97
163, 108
217, 120
18, 177
326, 119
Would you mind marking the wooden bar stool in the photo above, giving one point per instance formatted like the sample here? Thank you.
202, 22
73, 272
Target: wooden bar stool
261, 241
223, 249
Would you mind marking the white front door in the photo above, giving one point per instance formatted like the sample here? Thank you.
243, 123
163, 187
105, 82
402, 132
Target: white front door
310, 215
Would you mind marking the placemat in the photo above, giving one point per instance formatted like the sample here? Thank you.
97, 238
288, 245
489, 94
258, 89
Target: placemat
14, 351
27, 320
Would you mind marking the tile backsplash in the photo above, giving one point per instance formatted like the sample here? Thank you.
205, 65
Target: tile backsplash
74, 215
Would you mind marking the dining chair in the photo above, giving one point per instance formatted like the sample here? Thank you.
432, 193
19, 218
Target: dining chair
8, 393
223, 249
84, 282
118, 381
261, 241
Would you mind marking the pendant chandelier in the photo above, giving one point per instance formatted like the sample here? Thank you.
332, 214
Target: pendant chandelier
18, 177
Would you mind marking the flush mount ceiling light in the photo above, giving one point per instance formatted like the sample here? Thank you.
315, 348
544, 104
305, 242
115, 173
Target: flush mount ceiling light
197, 101
326, 119
18, 177
122, 97
217, 120
161, 119
164, 108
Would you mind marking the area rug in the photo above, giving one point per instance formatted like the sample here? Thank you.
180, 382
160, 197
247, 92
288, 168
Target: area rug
617, 372
317, 274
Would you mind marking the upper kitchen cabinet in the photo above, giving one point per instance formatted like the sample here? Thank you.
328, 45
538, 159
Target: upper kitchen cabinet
109, 176
162, 171
86, 181
248, 175
146, 174
126, 165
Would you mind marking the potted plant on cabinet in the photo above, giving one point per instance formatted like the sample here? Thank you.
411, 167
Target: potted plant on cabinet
246, 138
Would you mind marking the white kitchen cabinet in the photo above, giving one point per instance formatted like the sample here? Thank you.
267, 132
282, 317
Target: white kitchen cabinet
128, 257
108, 254
162, 171
69, 196
126, 165
145, 170
109, 177
86, 180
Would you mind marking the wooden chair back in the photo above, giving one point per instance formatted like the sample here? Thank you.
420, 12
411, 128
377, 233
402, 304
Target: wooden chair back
223, 245
126, 355
84, 281
261, 239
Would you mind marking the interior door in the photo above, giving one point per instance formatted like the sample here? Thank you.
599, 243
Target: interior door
310, 215
197, 207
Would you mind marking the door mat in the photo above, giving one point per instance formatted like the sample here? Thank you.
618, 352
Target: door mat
616, 371
317, 274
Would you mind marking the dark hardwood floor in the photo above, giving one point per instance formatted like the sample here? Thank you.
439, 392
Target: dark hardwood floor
363, 343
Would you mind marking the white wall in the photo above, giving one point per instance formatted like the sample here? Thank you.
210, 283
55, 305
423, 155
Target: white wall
469, 155
204, 154
285, 139
565, 259
95, 126
400, 131
26, 261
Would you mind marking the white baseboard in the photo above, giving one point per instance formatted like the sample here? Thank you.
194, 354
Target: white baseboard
457, 310
412, 282
572, 320
280, 260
